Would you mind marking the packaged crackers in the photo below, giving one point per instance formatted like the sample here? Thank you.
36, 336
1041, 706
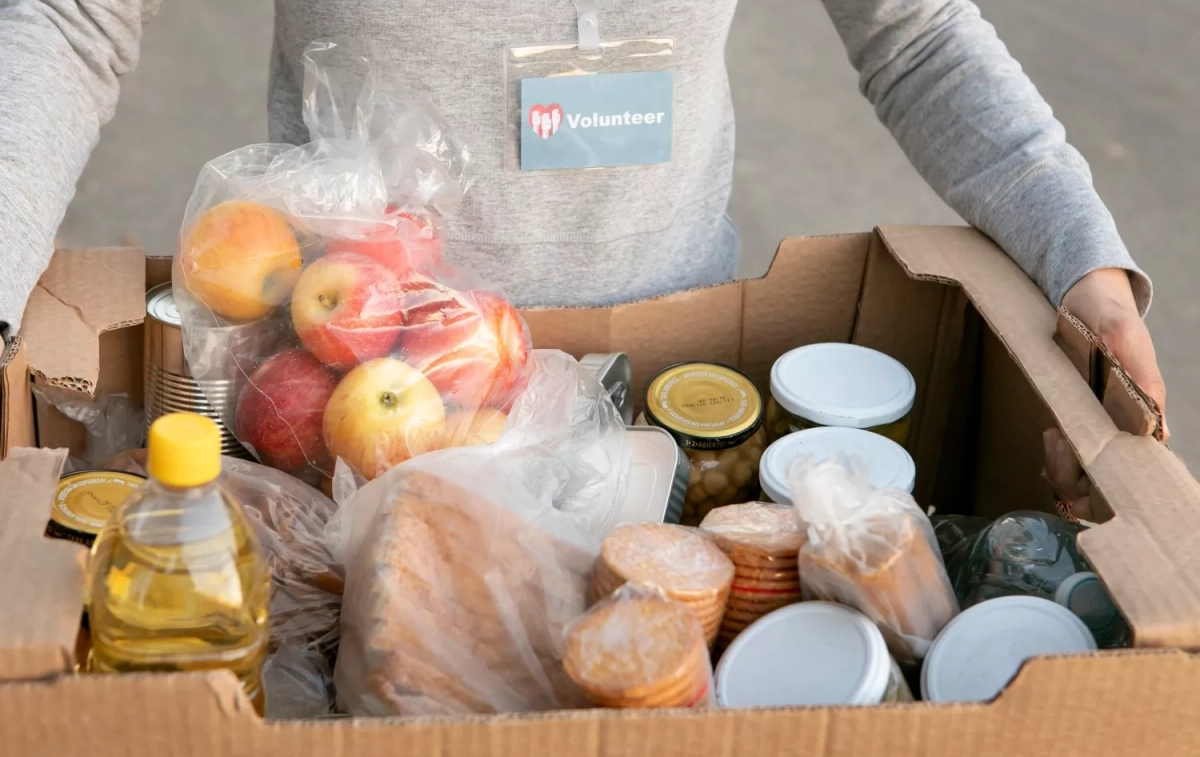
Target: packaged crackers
874, 550
682, 562
762, 541
639, 649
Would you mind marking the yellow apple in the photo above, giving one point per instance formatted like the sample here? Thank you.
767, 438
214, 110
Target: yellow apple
240, 259
381, 414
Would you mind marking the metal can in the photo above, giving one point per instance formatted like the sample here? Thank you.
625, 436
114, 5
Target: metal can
169, 385
85, 500
615, 374
658, 477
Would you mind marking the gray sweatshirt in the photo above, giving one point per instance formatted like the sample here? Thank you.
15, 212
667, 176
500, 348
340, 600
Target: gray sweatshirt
960, 106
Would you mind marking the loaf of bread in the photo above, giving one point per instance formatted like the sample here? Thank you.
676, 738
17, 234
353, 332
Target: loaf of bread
456, 605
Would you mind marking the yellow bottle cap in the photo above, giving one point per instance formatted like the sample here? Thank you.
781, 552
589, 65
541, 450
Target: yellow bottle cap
184, 450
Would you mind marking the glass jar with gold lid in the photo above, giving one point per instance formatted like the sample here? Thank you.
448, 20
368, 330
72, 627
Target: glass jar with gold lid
715, 414
842, 385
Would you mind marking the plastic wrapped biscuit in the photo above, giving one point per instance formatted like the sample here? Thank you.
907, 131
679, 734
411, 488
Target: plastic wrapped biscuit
874, 550
639, 649
762, 540
684, 563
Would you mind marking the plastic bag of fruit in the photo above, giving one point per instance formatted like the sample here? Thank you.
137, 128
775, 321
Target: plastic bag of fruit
465, 566
321, 316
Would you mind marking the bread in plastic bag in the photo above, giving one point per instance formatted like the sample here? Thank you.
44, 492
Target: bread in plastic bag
465, 566
682, 562
321, 312
289, 519
639, 649
874, 550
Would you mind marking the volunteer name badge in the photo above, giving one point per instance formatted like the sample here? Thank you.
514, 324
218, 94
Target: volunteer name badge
605, 120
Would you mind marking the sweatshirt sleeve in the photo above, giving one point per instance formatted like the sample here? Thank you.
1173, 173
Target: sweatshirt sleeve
977, 130
59, 63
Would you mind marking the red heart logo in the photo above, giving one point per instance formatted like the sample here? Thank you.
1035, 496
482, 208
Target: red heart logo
545, 119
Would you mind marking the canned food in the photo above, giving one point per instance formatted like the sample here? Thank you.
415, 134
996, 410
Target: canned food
615, 374
840, 385
889, 466
715, 413
84, 501
658, 477
169, 385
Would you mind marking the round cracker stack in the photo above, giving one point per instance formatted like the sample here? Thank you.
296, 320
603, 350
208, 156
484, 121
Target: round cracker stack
682, 562
762, 540
639, 649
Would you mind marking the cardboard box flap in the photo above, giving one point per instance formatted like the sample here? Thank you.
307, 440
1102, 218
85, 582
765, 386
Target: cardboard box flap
1146, 553
43, 578
16, 403
1128, 704
80, 296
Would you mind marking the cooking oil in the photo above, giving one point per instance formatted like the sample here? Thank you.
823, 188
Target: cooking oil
178, 581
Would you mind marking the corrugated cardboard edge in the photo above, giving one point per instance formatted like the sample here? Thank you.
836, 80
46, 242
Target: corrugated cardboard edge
1146, 555
1120, 704
42, 577
16, 402
82, 294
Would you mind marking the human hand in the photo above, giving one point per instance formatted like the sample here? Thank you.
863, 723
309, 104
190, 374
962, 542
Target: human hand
1104, 301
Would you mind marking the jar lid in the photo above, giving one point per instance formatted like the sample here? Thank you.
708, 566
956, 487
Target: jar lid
84, 500
811, 653
978, 653
842, 385
889, 466
1084, 595
704, 405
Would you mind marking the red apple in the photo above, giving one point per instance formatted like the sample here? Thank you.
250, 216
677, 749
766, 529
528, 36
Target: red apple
382, 413
473, 346
279, 411
347, 309
404, 243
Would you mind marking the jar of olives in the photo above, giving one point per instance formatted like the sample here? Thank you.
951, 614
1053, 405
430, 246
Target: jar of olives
715, 414
840, 385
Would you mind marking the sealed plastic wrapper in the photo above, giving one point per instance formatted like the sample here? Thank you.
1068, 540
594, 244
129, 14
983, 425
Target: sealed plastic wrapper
289, 519
874, 550
762, 540
639, 649
334, 250
465, 566
684, 563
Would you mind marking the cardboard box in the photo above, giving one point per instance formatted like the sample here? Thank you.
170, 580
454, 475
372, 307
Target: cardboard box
992, 375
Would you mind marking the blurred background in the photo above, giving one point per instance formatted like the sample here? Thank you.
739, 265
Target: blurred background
1124, 77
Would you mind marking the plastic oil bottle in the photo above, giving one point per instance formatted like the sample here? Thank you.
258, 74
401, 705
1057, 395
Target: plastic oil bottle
178, 582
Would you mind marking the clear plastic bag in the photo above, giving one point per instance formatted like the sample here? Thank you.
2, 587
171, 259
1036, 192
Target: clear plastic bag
334, 251
874, 550
289, 518
465, 566
113, 422
639, 649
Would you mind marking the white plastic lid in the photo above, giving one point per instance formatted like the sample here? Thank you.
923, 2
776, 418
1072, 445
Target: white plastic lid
978, 653
888, 464
842, 385
1084, 595
811, 653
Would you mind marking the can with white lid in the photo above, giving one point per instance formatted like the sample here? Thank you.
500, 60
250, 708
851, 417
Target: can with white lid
844, 385
889, 466
977, 654
1083, 594
811, 653
658, 477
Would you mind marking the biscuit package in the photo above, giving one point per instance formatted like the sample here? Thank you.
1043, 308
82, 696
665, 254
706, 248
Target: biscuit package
640, 649
464, 567
762, 540
682, 562
871, 549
